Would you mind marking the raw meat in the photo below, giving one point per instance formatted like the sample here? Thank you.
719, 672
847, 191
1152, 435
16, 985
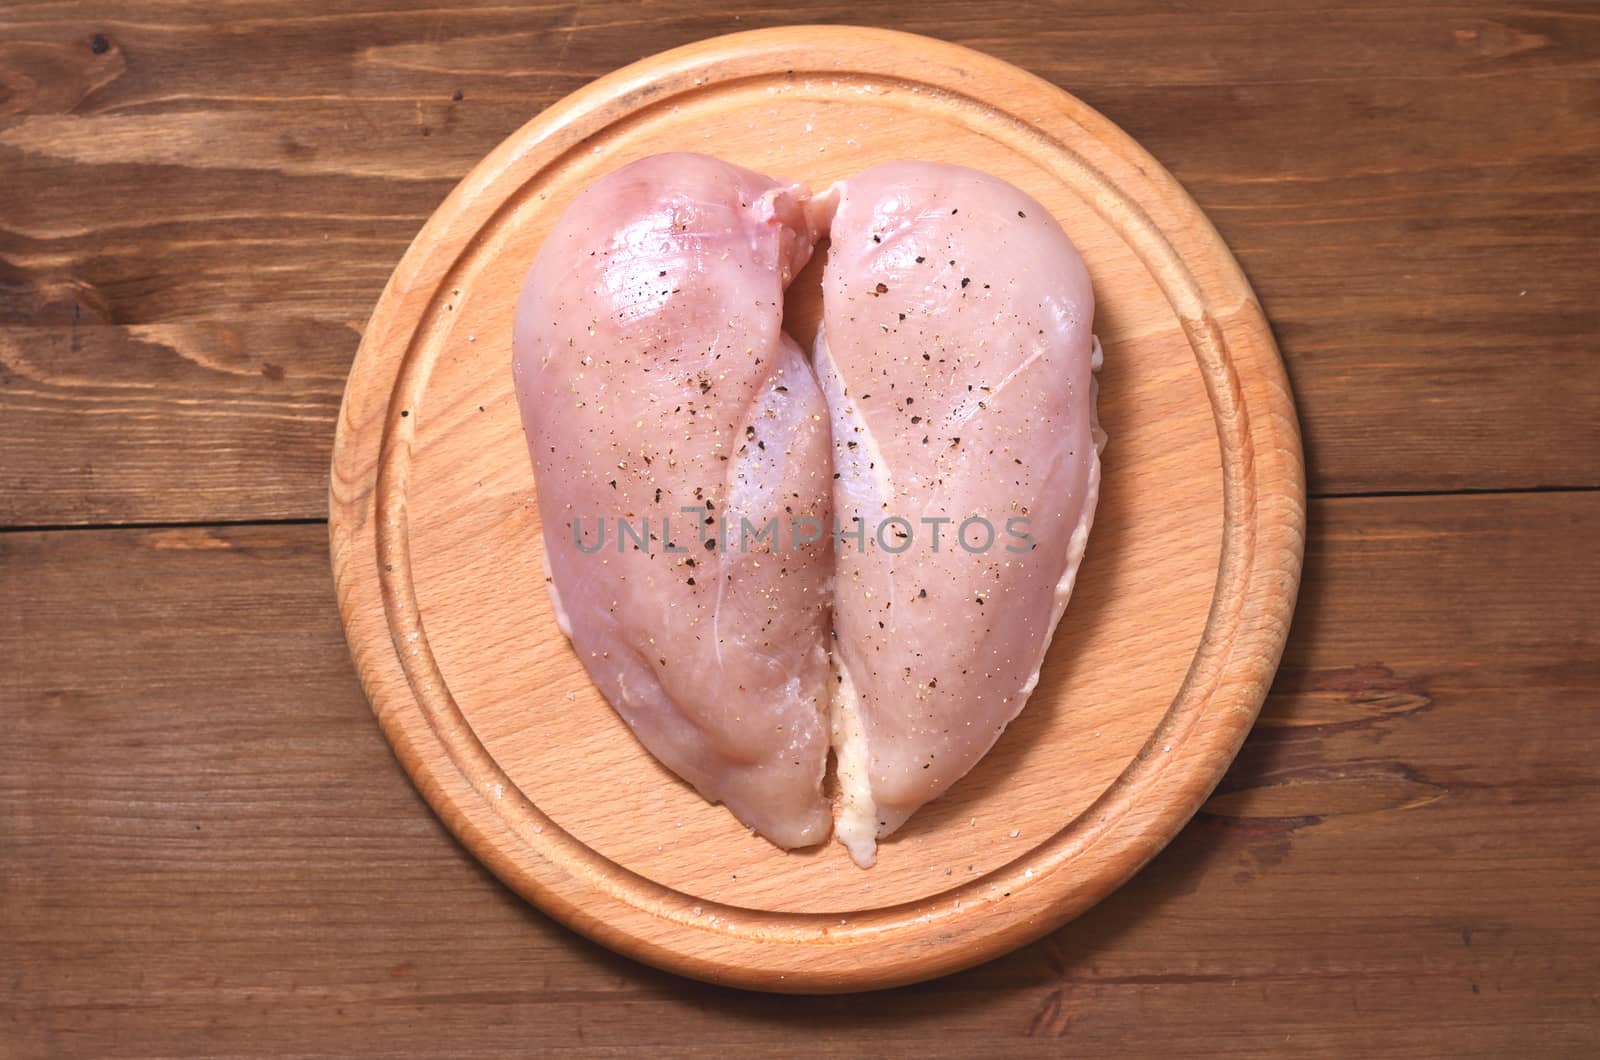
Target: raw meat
955, 356
653, 376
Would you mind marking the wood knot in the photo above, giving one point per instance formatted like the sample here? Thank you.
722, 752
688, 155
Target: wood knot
72, 302
1343, 696
56, 78
1496, 40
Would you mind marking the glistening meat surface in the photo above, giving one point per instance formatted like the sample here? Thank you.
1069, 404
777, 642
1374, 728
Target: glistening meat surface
653, 376
949, 426
955, 356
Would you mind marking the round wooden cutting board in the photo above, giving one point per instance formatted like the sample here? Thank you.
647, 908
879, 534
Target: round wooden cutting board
1155, 676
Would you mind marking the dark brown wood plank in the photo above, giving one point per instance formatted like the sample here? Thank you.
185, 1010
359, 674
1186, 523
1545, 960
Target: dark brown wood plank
205, 846
1410, 187
214, 418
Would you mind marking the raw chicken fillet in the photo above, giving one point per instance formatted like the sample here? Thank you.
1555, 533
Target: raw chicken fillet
955, 355
946, 421
653, 376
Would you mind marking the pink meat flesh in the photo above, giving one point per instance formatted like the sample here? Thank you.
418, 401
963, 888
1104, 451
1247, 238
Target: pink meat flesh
653, 376
955, 358
949, 426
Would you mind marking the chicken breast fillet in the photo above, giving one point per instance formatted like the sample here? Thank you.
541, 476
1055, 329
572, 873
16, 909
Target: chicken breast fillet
955, 356
657, 388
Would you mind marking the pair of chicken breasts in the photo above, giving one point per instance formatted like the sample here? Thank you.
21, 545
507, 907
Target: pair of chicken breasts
761, 555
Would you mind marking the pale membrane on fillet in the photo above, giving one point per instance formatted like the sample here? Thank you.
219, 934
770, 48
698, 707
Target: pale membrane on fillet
652, 375
955, 356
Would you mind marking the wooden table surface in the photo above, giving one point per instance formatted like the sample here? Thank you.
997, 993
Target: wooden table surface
207, 848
